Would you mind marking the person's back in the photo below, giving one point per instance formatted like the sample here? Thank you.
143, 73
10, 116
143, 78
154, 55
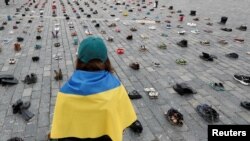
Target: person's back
92, 104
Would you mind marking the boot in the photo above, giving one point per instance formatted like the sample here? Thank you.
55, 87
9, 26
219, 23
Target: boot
223, 20
183, 43
192, 13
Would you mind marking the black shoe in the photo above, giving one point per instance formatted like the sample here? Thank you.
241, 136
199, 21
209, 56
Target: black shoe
33, 78
134, 95
245, 104
223, 20
207, 113
135, 66
183, 43
227, 29
206, 57
243, 79
136, 127
232, 55
242, 28
35, 58
15, 139
192, 13
183, 89
130, 37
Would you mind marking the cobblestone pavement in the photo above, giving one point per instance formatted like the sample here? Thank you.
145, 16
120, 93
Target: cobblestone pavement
197, 73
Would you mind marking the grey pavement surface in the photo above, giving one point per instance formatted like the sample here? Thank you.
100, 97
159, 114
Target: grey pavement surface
197, 73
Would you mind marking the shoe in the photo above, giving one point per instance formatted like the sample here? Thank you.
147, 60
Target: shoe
110, 39
130, 37
162, 46
15, 139
33, 78
196, 19
232, 55
134, 95
174, 117
183, 89
17, 47
227, 29
12, 61
136, 127
242, 28
217, 86
133, 29
240, 40
135, 66
196, 31
58, 75
206, 57
152, 28
38, 37
223, 42
183, 43
223, 20
97, 25
182, 32
243, 79
20, 39
192, 13
143, 48
205, 42
35, 58
191, 24
209, 23
207, 113
245, 104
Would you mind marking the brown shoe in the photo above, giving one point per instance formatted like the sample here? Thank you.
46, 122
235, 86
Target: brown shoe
17, 47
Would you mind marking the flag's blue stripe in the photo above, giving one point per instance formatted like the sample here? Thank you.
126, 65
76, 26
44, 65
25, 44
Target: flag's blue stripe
88, 83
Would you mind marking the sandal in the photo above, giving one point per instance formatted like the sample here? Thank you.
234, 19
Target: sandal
174, 117
134, 95
217, 86
183, 89
181, 61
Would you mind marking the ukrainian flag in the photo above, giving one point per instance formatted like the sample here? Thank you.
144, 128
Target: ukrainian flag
90, 105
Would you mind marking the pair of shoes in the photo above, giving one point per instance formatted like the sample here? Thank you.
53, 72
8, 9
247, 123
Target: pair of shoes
20, 39
22, 108
240, 40
87, 32
164, 35
152, 93
15, 139
135, 65
208, 31
162, 46
196, 31
223, 42
38, 46
38, 37
174, 117
143, 48
35, 58
110, 39
17, 47
133, 29
245, 104
58, 74
130, 37
243, 79
103, 32
181, 61
74, 34
182, 32
112, 25
210, 24
136, 127
134, 95
183, 89
196, 19
217, 86
12, 61
242, 28
205, 42
207, 113
183, 43
30, 79
57, 44
207, 57
152, 28
232, 55
227, 29
6, 79
120, 51
191, 24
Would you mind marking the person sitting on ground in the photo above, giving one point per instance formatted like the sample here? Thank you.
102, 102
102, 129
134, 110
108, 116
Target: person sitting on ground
93, 104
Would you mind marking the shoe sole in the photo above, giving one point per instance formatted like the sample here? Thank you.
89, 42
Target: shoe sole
246, 84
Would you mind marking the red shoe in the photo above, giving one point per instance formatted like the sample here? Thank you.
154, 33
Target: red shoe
120, 51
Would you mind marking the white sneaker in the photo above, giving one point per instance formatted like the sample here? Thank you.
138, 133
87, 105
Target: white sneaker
152, 28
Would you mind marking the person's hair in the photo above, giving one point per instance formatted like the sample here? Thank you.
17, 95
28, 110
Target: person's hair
94, 65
